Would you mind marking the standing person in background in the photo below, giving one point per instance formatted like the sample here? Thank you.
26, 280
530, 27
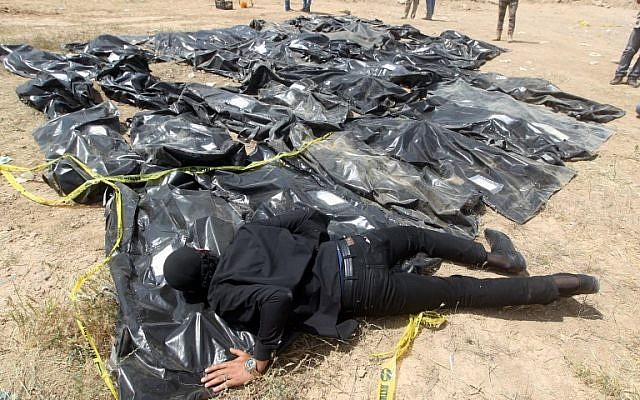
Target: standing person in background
633, 45
408, 6
431, 7
306, 5
502, 8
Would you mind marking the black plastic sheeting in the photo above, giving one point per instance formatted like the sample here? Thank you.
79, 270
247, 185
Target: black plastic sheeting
418, 137
502, 121
540, 91
460, 167
59, 93
129, 80
27, 61
167, 139
365, 94
92, 136
317, 110
243, 114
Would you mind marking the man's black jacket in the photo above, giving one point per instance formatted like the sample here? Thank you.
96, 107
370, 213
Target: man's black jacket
278, 274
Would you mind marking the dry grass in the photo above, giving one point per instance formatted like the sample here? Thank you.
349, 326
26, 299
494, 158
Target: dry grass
50, 344
607, 381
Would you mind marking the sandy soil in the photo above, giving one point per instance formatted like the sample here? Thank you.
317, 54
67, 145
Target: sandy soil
585, 348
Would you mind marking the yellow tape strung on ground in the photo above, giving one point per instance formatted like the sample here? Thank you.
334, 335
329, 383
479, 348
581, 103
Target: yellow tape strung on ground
8, 170
387, 379
139, 178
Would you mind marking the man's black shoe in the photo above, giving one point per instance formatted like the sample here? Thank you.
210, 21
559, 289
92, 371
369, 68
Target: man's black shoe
575, 284
633, 82
503, 256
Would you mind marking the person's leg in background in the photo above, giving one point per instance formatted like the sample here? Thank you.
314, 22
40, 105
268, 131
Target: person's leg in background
502, 9
634, 75
431, 7
513, 7
306, 6
407, 8
287, 5
415, 8
630, 50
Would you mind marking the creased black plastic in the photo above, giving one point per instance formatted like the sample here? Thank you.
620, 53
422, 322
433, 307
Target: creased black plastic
111, 48
541, 91
460, 167
92, 136
365, 94
393, 183
500, 120
324, 40
241, 114
59, 93
129, 81
321, 111
461, 50
6, 49
234, 61
451, 48
410, 76
183, 45
271, 191
170, 140
367, 33
27, 61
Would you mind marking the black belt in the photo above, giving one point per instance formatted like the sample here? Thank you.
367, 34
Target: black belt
346, 273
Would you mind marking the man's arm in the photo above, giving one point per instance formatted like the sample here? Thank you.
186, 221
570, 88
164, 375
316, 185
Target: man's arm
275, 308
274, 314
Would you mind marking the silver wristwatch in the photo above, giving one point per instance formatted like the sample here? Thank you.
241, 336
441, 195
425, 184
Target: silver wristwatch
251, 366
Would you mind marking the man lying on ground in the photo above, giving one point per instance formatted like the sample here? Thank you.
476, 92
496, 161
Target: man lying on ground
284, 274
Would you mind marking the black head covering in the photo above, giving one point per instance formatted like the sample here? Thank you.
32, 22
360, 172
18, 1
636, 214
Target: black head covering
190, 271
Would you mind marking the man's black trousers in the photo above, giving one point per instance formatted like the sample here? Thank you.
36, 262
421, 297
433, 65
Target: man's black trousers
377, 291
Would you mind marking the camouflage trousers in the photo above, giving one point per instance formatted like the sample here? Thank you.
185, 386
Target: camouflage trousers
408, 6
502, 8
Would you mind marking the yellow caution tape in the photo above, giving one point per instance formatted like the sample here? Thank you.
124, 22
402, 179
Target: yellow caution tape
387, 379
7, 171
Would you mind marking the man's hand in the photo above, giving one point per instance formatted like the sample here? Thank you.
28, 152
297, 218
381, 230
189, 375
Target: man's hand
229, 373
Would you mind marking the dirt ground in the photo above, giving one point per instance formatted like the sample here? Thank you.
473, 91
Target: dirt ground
584, 348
